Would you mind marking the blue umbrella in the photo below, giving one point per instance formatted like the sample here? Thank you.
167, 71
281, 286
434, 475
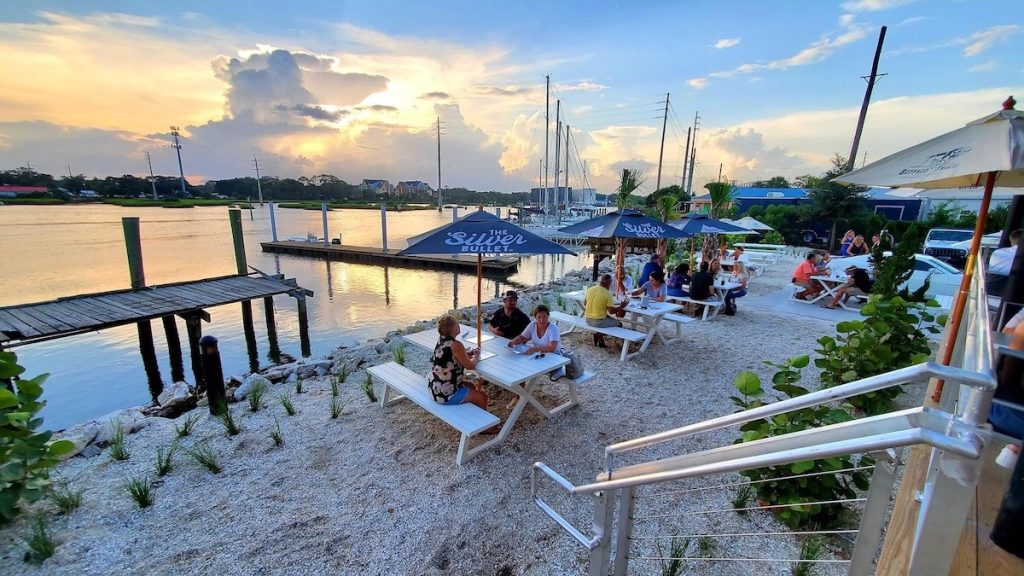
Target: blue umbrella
481, 233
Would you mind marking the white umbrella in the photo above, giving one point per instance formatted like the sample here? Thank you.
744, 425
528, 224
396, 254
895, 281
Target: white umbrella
988, 151
752, 224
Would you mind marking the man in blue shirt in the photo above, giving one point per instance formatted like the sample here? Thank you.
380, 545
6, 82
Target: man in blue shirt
652, 266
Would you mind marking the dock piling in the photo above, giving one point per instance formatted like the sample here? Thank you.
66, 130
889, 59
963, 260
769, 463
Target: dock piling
195, 332
174, 348
384, 226
268, 310
303, 327
273, 222
133, 244
235, 218
323, 214
241, 266
213, 373
250, 336
149, 361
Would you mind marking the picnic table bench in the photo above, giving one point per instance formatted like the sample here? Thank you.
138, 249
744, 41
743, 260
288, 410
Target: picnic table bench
646, 319
468, 419
626, 334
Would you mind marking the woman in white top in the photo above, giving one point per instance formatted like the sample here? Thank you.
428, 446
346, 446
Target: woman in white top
541, 335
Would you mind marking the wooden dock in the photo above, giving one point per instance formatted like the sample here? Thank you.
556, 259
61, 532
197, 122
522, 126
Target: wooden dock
390, 257
26, 323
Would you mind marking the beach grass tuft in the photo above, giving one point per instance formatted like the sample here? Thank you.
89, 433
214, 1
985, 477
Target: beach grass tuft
118, 449
742, 498
336, 407
255, 396
66, 499
187, 425
399, 353
674, 565
298, 386
334, 386
141, 490
810, 550
39, 541
368, 388
164, 455
227, 420
203, 455
289, 408
343, 373
707, 546
275, 433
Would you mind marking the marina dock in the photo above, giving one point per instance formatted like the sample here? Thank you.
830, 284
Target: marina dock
390, 257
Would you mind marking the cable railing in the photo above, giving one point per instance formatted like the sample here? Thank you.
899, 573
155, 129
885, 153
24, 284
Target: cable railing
956, 437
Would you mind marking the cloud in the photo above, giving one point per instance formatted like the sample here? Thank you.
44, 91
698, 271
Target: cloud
502, 90
816, 52
315, 112
913, 20
435, 96
873, 5
725, 43
378, 108
984, 39
986, 67
581, 86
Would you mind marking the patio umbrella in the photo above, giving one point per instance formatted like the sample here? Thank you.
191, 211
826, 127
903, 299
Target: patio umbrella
620, 225
988, 151
481, 233
752, 224
701, 224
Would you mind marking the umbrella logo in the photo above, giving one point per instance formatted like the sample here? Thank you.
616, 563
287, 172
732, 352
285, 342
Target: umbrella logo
937, 163
490, 242
644, 230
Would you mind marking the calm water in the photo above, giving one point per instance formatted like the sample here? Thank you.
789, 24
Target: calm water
48, 252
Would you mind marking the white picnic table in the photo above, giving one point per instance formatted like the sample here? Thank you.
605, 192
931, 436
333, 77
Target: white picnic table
521, 374
831, 284
649, 318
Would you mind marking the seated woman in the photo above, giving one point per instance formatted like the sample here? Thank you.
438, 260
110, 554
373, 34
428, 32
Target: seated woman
449, 363
737, 254
1010, 374
680, 277
715, 268
740, 276
654, 287
858, 247
541, 335
858, 283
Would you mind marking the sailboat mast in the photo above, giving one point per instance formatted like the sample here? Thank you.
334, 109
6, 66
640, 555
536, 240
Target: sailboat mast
440, 204
553, 199
547, 136
259, 183
568, 200
661, 151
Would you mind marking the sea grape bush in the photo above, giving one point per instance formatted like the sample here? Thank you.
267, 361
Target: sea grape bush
26, 453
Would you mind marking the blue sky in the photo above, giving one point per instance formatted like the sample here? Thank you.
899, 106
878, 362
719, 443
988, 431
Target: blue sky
355, 86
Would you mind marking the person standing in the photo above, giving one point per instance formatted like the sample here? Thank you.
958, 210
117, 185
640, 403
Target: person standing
509, 321
654, 265
846, 241
858, 247
597, 304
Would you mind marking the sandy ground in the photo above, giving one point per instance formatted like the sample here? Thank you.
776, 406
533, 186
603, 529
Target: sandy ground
377, 491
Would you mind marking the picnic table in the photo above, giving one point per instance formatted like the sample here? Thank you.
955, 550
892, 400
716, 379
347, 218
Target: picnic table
647, 318
520, 374
831, 284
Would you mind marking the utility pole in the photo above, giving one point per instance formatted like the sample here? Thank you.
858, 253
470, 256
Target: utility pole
719, 172
693, 162
867, 100
177, 146
558, 144
71, 179
547, 136
259, 182
686, 158
438, 129
152, 178
661, 151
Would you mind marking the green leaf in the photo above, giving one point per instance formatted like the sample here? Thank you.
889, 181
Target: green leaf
849, 376
748, 383
790, 390
801, 467
61, 447
800, 361
845, 326
751, 435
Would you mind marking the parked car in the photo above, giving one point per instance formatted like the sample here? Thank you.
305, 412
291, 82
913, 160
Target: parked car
944, 244
945, 279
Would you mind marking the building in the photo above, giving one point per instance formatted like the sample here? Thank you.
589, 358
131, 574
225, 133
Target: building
879, 201
377, 186
412, 186
15, 191
93, 194
962, 201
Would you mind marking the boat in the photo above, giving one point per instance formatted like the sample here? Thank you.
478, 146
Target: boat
309, 237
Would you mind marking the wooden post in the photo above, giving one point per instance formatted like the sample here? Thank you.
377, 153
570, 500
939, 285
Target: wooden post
303, 327
275, 350
174, 348
235, 217
133, 244
323, 213
384, 226
213, 375
148, 351
250, 336
273, 222
195, 332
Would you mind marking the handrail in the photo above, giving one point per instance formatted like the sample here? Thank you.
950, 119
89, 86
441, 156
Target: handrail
862, 386
978, 351
591, 542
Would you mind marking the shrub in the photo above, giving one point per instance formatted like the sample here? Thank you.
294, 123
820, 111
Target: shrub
39, 541
141, 490
892, 335
203, 455
118, 449
289, 408
187, 425
772, 237
255, 396
368, 388
66, 499
26, 454
794, 491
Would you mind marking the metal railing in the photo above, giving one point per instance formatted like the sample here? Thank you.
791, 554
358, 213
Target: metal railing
957, 438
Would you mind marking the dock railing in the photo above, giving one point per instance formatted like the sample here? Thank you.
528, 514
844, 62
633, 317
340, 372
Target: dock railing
956, 433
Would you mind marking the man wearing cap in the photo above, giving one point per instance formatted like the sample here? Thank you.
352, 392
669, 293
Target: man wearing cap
653, 266
509, 321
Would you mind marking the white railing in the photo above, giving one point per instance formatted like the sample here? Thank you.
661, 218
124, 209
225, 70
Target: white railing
956, 435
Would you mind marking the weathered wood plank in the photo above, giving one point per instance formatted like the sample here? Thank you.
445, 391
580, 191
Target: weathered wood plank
44, 319
24, 329
66, 314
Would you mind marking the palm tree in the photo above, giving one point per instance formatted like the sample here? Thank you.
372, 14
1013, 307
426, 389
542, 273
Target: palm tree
722, 195
666, 208
630, 181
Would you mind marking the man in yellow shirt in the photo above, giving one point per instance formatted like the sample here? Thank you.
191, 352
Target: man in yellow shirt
597, 304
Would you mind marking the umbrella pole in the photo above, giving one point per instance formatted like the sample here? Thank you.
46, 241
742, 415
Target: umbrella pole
956, 316
620, 265
479, 285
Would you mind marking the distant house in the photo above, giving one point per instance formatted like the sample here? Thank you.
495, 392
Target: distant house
15, 191
89, 194
410, 186
377, 186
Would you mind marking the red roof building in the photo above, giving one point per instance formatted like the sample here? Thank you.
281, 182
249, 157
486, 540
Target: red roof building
14, 191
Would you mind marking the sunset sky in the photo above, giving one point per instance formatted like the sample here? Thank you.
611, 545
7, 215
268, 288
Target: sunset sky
353, 88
